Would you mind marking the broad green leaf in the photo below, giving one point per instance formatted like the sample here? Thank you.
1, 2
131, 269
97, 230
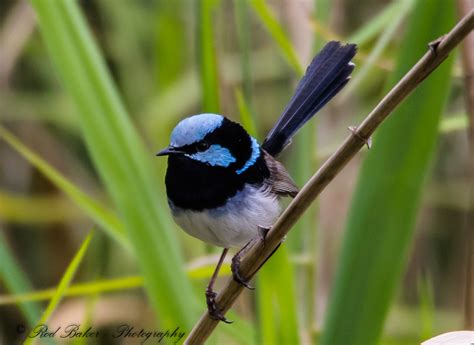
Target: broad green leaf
122, 161
382, 218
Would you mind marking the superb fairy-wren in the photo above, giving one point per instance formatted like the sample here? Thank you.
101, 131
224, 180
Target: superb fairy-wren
223, 187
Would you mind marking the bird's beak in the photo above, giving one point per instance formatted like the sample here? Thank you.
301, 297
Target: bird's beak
170, 150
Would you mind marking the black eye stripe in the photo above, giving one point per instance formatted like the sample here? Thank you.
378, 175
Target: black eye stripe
229, 135
233, 137
193, 148
202, 146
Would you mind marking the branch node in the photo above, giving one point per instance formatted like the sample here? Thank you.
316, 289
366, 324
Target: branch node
262, 233
367, 141
433, 45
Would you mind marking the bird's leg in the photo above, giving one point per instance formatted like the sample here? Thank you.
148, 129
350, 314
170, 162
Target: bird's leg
214, 312
235, 266
262, 232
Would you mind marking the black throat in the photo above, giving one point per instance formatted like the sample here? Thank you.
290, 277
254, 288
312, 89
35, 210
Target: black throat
197, 186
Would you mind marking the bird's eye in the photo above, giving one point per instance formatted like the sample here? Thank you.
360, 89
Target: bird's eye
202, 146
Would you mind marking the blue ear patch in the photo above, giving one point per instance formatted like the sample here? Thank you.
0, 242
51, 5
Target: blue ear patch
194, 128
214, 155
253, 157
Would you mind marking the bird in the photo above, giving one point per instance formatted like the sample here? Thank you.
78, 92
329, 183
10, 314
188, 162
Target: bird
223, 187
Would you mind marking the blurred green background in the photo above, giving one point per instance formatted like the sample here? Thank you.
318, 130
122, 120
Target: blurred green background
90, 90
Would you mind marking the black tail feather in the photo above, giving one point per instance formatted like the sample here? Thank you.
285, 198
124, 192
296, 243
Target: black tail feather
327, 74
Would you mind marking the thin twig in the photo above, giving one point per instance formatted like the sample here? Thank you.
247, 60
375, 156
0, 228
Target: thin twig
467, 58
437, 53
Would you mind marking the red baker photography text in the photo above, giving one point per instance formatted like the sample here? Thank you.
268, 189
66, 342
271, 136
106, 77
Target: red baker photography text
122, 331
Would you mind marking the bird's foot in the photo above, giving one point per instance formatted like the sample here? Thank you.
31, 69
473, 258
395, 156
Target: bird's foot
235, 267
212, 308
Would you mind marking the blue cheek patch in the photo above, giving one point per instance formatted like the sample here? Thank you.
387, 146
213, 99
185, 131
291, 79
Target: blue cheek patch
215, 155
253, 157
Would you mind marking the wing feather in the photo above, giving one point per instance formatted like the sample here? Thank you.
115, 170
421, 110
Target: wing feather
280, 181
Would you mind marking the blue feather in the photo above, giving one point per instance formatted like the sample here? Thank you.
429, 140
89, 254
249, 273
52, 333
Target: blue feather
194, 128
215, 155
327, 74
253, 157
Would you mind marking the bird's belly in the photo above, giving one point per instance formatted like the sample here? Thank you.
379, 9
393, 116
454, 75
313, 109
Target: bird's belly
235, 223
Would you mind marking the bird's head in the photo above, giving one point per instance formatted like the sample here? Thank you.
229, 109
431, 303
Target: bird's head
213, 140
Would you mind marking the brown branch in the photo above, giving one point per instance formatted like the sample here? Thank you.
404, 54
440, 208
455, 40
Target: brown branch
438, 52
467, 59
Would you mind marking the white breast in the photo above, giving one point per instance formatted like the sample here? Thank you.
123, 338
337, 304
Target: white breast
234, 224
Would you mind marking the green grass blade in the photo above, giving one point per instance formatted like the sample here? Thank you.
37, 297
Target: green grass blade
427, 307
383, 213
278, 322
120, 158
242, 19
389, 32
207, 60
266, 311
16, 281
278, 34
194, 272
246, 117
243, 332
377, 24
79, 289
127, 28
63, 284
41, 209
171, 59
103, 217
457, 122
304, 164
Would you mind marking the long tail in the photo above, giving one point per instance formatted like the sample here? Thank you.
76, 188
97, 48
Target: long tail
327, 74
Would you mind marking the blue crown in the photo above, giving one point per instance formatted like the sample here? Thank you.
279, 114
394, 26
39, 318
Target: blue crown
194, 128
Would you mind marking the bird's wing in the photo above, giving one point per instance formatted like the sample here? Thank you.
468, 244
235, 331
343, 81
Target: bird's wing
280, 180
